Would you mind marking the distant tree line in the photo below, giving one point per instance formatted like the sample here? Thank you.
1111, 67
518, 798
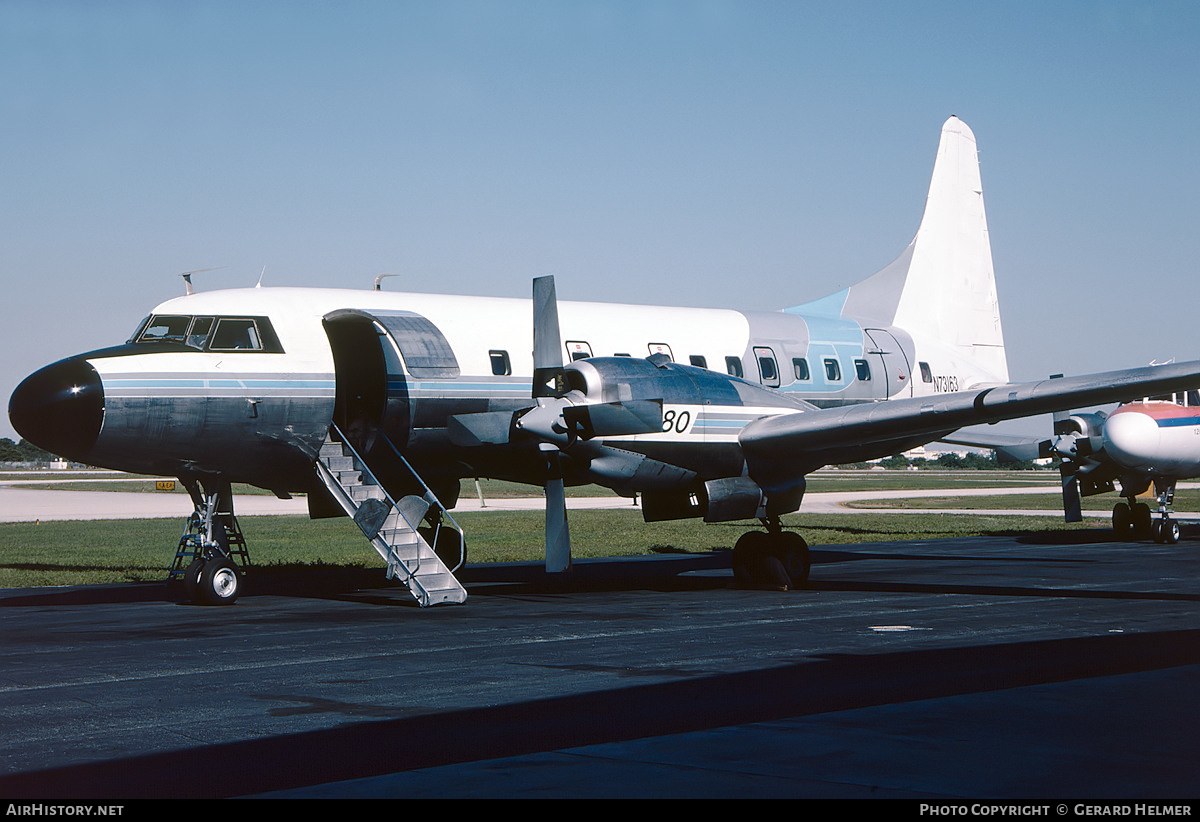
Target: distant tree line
22, 451
970, 462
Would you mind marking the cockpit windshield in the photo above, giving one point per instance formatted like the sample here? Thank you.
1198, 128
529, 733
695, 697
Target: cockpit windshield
165, 327
209, 333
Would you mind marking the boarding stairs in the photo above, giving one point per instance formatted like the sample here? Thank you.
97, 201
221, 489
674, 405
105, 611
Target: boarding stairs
395, 529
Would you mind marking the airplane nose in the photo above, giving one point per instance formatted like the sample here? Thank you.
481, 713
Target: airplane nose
60, 408
1132, 439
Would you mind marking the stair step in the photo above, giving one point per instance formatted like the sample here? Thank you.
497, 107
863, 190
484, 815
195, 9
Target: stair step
359, 493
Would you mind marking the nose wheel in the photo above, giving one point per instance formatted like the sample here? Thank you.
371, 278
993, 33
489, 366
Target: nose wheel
1166, 530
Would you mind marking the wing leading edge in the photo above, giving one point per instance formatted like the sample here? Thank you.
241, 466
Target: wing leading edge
780, 450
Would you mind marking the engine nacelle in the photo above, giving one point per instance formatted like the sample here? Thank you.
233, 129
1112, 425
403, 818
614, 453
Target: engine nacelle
1087, 425
1079, 435
728, 499
602, 380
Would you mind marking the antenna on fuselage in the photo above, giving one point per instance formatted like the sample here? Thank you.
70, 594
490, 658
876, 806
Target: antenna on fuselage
379, 280
261, 274
187, 277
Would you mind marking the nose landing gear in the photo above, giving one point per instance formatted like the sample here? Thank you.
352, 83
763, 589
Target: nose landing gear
211, 541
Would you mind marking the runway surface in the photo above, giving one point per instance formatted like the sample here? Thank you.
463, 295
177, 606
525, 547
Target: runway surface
1040, 666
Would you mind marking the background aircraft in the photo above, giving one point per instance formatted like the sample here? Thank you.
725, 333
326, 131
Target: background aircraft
376, 404
1152, 442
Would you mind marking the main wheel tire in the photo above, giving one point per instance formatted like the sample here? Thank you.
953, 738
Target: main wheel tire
758, 562
797, 561
1141, 520
1122, 521
747, 555
220, 583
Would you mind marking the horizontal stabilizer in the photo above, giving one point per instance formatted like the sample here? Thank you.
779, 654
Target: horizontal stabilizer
1007, 448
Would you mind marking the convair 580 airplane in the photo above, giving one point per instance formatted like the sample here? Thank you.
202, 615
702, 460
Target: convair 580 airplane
375, 404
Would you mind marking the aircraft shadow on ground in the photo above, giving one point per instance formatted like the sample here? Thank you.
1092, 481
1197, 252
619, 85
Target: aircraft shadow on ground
812, 686
660, 573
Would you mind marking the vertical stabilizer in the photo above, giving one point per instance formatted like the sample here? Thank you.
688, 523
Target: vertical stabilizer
942, 288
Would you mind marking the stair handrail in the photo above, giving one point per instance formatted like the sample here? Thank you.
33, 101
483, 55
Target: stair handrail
428, 496
432, 498
366, 469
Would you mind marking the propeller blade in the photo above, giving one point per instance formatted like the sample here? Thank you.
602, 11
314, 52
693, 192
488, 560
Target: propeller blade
542, 421
558, 535
547, 341
1072, 507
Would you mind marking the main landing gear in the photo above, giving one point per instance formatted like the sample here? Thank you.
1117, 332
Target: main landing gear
773, 559
1134, 520
205, 559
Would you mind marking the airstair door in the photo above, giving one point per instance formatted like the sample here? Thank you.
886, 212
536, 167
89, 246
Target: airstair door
887, 356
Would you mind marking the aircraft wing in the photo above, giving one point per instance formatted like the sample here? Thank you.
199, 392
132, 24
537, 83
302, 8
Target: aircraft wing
780, 450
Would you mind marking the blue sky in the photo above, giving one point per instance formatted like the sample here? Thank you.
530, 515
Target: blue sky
742, 154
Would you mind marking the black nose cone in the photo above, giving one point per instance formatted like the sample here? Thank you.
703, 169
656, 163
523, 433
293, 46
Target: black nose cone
60, 408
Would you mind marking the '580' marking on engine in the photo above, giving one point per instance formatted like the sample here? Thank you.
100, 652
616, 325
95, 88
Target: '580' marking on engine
676, 421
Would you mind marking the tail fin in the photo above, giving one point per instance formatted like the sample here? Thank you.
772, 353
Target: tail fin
943, 287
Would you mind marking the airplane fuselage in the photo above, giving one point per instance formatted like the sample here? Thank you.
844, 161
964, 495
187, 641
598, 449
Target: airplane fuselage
243, 384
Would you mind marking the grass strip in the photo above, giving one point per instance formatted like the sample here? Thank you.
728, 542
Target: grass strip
80, 553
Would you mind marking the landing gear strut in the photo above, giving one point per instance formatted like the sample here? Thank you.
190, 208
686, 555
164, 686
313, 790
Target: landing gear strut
1165, 529
211, 541
773, 559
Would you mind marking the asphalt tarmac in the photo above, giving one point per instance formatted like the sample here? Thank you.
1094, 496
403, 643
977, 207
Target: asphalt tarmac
1056, 666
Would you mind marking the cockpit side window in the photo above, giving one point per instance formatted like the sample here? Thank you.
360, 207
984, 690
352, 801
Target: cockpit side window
198, 333
236, 335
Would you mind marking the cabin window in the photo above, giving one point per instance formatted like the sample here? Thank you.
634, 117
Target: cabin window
862, 369
698, 361
661, 348
236, 335
1193, 398
833, 371
733, 366
578, 350
768, 370
926, 372
501, 367
800, 368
